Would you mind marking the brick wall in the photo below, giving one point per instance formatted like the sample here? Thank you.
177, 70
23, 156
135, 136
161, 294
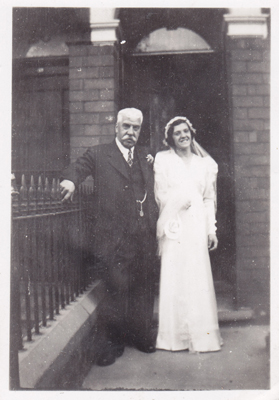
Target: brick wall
248, 66
93, 95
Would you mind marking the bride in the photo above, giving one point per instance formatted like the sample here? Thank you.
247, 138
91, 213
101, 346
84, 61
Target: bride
185, 190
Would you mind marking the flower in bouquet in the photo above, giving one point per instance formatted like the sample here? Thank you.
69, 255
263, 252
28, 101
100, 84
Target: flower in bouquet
172, 228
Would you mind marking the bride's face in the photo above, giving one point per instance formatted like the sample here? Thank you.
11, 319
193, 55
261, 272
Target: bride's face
182, 136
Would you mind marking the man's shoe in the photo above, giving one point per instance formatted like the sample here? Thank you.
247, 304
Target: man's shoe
146, 347
119, 350
109, 354
105, 358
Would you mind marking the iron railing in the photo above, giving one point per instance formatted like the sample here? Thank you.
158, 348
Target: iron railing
48, 258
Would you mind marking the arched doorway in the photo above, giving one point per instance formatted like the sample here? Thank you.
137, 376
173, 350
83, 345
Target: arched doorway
176, 72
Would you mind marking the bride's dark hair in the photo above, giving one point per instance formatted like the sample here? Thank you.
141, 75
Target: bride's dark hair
170, 129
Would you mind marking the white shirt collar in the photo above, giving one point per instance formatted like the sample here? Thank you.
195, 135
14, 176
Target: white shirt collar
123, 149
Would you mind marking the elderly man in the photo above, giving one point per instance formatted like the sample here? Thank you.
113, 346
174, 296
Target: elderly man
124, 215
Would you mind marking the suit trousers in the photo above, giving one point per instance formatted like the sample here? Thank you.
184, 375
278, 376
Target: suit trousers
125, 314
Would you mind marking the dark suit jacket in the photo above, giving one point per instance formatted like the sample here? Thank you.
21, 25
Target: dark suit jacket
113, 205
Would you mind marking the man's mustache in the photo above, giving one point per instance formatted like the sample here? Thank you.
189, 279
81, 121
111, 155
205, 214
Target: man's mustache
133, 137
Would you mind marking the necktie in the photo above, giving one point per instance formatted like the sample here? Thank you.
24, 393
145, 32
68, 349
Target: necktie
130, 159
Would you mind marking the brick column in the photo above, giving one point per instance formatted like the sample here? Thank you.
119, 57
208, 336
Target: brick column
248, 73
93, 82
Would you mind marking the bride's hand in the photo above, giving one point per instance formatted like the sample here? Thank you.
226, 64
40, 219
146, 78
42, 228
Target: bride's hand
212, 242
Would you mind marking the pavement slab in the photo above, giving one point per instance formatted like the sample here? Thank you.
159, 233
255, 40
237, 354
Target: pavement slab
242, 364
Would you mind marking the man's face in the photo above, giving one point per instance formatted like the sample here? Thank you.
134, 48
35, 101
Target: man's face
128, 130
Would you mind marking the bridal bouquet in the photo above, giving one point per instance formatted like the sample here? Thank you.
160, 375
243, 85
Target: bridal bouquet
172, 228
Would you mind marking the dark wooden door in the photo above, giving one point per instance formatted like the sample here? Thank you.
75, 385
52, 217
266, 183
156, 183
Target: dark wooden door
192, 85
40, 137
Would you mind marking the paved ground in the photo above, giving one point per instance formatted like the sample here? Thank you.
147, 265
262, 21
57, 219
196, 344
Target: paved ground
242, 364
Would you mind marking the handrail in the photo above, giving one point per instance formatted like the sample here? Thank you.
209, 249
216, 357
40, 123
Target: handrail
51, 214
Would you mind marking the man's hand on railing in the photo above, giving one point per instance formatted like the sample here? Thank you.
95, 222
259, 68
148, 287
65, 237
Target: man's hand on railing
67, 190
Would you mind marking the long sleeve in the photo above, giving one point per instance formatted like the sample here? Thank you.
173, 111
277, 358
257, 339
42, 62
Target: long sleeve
209, 198
78, 171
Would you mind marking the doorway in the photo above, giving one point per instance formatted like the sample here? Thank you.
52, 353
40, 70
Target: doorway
191, 85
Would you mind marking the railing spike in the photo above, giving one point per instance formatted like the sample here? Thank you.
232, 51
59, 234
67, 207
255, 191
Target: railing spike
40, 188
32, 195
47, 190
23, 195
14, 190
23, 188
15, 196
47, 193
32, 189
53, 189
40, 194
58, 192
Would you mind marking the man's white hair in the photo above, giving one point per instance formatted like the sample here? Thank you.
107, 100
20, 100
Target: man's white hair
129, 112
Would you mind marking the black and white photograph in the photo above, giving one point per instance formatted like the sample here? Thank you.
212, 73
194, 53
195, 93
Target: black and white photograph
141, 262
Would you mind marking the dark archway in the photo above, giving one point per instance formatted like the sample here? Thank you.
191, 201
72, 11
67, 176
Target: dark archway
186, 83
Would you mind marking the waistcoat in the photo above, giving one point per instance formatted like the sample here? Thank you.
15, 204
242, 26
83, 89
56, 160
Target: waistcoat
137, 182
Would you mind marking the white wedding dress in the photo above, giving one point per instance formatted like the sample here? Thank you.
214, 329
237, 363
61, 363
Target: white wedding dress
187, 303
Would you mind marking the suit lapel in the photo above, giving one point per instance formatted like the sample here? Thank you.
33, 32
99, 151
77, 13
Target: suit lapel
116, 159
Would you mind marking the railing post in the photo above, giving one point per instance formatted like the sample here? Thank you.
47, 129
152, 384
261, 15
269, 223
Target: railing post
23, 196
15, 321
32, 195
15, 329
